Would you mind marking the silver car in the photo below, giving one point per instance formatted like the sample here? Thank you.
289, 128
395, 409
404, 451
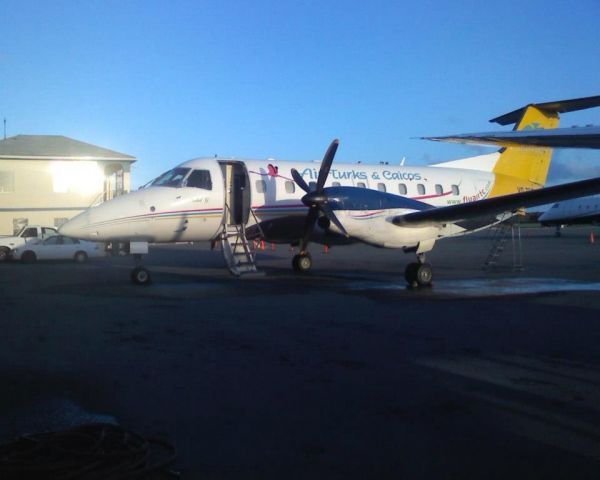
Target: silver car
58, 247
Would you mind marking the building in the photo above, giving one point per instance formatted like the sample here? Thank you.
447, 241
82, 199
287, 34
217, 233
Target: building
48, 179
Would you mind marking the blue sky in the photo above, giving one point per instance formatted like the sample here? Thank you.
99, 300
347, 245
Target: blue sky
166, 81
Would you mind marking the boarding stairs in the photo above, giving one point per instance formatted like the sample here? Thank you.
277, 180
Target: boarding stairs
237, 250
499, 235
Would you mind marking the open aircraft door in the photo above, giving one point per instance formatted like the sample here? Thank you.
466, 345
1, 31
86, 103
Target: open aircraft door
237, 193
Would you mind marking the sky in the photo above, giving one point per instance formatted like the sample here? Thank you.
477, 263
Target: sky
166, 81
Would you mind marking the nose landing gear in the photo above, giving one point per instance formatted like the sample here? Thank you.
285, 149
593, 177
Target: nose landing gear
140, 276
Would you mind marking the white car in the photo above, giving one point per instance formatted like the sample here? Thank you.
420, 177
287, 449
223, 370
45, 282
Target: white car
58, 247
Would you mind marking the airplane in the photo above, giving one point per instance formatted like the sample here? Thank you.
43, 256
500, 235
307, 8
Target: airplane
576, 211
410, 208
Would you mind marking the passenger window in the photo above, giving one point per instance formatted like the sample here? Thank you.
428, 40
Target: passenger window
361, 185
438, 189
290, 187
455, 190
421, 189
48, 232
261, 186
381, 187
199, 179
30, 232
402, 189
336, 184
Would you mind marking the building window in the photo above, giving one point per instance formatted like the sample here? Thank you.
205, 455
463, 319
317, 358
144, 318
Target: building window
438, 189
7, 182
455, 190
361, 185
290, 187
19, 224
421, 189
261, 186
381, 187
402, 189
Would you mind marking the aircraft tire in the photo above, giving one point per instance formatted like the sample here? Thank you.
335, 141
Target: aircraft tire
302, 263
4, 253
424, 274
140, 276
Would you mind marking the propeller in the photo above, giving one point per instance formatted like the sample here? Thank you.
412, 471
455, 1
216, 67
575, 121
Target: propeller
316, 200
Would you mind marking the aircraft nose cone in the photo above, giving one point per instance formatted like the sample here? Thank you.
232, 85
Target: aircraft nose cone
76, 227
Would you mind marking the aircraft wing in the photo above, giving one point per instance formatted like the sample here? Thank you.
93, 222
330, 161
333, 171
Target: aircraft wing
498, 205
574, 137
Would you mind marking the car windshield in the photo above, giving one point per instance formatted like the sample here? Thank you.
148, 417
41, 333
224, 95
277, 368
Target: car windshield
172, 178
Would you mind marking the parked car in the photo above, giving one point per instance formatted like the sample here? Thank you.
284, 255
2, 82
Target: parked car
28, 234
58, 247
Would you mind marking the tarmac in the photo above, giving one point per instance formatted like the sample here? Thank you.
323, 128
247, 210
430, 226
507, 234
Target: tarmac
341, 373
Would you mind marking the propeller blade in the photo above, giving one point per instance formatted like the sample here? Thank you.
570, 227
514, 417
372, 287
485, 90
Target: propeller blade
326, 164
299, 180
326, 209
309, 225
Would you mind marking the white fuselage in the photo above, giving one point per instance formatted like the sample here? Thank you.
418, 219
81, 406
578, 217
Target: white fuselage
577, 210
186, 213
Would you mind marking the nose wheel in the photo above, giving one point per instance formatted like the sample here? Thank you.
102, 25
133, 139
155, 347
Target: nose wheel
140, 275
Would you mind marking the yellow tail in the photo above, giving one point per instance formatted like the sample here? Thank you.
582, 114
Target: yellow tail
525, 168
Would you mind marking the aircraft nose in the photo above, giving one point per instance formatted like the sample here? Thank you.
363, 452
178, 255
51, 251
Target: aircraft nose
76, 227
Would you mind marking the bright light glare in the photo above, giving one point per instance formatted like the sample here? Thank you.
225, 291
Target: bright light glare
84, 178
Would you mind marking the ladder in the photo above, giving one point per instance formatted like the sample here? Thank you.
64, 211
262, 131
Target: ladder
239, 256
499, 235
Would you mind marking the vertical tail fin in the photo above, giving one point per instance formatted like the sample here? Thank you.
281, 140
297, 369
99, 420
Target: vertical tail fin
526, 168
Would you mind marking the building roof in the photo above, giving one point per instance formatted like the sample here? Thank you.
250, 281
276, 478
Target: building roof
39, 147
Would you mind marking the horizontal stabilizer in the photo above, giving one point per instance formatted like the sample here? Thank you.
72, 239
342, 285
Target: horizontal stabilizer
498, 205
561, 106
575, 137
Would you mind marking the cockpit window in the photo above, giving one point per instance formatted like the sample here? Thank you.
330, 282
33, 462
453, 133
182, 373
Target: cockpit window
199, 179
173, 178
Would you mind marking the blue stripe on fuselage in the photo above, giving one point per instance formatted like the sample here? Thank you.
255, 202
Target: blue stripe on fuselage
355, 198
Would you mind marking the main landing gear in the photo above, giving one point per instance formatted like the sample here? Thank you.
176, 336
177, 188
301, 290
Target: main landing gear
419, 274
302, 262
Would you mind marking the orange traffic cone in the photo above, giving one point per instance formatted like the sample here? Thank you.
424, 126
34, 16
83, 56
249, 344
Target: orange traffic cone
592, 238
273, 247
325, 248
262, 244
